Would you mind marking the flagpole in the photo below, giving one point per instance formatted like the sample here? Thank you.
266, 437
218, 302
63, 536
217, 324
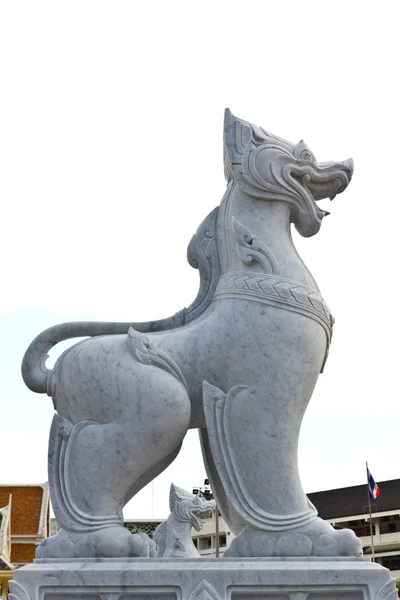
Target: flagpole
370, 517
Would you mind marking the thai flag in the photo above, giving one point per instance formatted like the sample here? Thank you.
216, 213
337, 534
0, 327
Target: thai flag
373, 488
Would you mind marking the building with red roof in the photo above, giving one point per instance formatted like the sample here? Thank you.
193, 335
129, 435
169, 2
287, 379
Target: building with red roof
24, 524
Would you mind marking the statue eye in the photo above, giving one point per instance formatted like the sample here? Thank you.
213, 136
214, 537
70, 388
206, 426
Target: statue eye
302, 152
306, 155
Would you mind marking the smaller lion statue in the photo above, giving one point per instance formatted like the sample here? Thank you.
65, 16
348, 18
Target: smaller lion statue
173, 536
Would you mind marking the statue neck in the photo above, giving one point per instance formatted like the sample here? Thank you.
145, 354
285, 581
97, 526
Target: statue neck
254, 235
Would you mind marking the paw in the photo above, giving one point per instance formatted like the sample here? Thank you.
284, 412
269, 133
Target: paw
317, 539
143, 545
338, 543
110, 542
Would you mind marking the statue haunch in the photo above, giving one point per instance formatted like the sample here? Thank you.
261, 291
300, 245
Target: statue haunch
240, 363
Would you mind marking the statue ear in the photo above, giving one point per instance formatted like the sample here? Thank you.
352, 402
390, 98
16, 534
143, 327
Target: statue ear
172, 497
238, 134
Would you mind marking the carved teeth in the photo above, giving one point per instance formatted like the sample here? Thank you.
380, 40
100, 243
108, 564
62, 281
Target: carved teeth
332, 196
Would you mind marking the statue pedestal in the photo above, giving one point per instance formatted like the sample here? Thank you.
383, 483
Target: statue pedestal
204, 579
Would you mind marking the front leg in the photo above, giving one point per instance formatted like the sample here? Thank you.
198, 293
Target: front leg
280, 520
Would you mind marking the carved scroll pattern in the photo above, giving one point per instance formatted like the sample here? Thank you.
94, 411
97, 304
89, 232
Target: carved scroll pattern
204, 591
17, 592
244, 145
202, 255
147, 353
388, 591
250, 249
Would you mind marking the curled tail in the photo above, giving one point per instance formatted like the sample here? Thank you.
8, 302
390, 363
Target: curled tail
37, 376
202, 255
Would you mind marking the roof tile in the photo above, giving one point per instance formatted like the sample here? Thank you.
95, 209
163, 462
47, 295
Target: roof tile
349, 501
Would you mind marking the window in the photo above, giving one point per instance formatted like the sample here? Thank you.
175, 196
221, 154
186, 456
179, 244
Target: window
391, 562
360, 528
364, 530
390, 524
204, 543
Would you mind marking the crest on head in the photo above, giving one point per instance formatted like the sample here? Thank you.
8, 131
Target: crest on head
188, 507
268, 167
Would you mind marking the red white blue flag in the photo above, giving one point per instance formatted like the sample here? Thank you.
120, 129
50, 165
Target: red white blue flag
373, 488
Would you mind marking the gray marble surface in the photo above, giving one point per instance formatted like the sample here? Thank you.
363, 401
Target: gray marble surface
240, 364
202, 579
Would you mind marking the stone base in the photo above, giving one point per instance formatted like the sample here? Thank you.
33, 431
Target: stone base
203, 579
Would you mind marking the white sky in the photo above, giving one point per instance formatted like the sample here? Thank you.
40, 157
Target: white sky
111, 155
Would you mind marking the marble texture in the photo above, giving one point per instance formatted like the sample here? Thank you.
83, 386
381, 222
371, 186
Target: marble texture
240, 363
173, 536
202, 579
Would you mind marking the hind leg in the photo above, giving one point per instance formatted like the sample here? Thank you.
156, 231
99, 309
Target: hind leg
95, 467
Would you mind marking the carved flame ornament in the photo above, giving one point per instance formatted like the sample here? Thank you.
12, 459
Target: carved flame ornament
204, 591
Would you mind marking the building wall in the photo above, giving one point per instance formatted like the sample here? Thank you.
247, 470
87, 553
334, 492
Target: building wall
385, 536
26, 507
28, 513
205, 539
22, 553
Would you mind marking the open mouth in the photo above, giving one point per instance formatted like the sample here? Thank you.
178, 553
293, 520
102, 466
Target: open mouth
312, 181
324, 180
